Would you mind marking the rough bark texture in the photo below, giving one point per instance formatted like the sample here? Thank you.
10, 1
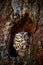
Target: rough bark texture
31, 21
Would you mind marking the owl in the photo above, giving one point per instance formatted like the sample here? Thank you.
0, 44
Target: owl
20, 43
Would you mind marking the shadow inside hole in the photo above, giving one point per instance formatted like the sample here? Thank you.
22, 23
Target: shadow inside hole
12, 51
1, 1
15, 29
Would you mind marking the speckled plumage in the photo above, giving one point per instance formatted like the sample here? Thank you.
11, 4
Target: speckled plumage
21, 43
